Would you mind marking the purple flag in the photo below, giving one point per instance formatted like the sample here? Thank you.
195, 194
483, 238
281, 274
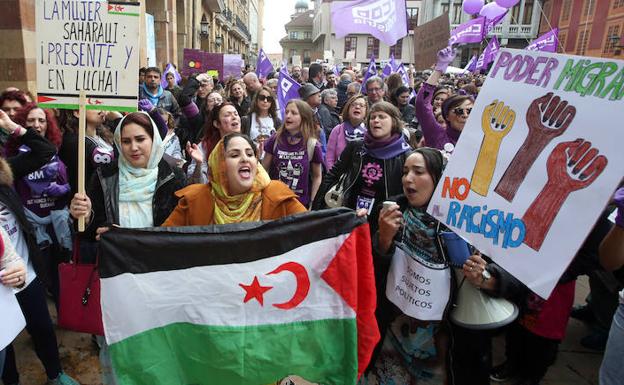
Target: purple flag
287, 88
371, 71
491, 23
336, 71
176, 75
405, 77
389, 68
384, 19
488, 55
471, 31
548, 42
263, 65
472, 64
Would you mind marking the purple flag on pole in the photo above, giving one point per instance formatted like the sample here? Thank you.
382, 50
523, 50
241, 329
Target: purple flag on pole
405, 77
548, 42
384, 19
488, 55
263, 65
389, 68
336, 71
491, 23
176, 75
371, 71
471, 31
472, 64
287, 88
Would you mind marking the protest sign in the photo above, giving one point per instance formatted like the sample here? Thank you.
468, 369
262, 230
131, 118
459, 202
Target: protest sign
232, 65
197, 61
12, 318
429, 38
89, 45
536, 162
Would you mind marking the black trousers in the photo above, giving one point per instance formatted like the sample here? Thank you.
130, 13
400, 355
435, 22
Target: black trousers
471, 356
528, 353
32, 301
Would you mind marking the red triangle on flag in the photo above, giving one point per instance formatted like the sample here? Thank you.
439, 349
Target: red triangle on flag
44, 99
351, 275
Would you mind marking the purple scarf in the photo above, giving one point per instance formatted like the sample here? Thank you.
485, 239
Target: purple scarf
353, 133
385, 149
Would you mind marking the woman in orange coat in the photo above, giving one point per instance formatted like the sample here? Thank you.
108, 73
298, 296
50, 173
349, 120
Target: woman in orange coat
240, 190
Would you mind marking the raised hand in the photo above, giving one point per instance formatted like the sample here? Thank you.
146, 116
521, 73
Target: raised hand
195, 153
547, 118
497, 120
571, 166
6, 123
444, 58
145, 105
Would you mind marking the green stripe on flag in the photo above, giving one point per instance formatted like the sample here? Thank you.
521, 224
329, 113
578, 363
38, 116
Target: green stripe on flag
99, 107
189, 354
124, 13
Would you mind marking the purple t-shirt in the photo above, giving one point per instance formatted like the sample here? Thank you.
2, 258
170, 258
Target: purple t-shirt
290, 165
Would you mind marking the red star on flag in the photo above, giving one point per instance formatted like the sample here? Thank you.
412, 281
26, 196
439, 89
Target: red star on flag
255, 290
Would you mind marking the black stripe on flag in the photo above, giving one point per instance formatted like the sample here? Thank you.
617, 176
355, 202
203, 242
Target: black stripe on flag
174, 248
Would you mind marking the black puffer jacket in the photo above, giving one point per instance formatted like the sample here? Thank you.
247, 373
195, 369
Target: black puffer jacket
350, 163
104, 194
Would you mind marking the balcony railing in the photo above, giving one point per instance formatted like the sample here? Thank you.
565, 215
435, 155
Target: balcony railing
513, 31
242, 27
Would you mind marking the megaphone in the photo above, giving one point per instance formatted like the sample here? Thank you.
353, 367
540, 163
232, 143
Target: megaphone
478, 311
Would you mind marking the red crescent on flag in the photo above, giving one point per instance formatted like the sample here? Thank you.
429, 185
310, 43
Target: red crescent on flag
303, 284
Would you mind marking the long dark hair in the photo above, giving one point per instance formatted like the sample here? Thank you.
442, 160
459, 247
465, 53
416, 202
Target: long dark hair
434, 162
272, 108
211, 133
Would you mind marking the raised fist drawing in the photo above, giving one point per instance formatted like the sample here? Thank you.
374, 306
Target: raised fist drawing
571, 166
547, 118
497, 120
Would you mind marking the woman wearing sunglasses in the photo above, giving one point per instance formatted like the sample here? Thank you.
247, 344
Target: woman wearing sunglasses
455, 109
262, 120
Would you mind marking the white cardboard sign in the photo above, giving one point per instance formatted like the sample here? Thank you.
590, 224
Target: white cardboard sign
537, 162
12, 318
87, 45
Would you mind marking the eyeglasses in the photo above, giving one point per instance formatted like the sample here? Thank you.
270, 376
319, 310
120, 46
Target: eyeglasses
265, 98
461, 111
360, 105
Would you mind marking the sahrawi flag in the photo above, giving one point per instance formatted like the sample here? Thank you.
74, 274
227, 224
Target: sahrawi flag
287, 88
384, 19
241, 304
548, 42
263, 65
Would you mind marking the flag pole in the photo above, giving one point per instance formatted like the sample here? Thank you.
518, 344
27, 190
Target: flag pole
82, 123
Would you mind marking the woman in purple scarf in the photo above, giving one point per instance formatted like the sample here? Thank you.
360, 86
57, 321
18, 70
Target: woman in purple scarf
370, 170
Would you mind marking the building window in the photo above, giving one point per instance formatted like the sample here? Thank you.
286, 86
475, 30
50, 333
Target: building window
588, 8
372, 47
397, 49
618, 3
515, 14
582, 42
563, 36
528, 12
412, 18
445, 8
307, 35
565, 12
350, 44
612, 33
306, 54
293, 35
457, 13
293, 52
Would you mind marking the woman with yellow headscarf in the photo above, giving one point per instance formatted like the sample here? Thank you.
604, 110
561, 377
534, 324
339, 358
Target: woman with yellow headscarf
239, 190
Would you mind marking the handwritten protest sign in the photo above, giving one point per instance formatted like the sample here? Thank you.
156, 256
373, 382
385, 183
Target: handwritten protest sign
429, 38
12, 319
91, 46
536, 162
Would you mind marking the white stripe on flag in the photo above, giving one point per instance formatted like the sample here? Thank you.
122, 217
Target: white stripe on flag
211, 295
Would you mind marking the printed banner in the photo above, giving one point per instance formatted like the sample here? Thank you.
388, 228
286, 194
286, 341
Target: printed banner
488, 55
536, 163
287, 88
232, 65
471, 31
242, 302
263, 65
429, 38
548, 42
197, 61
384, 19
88, 45
371, 71
12, 318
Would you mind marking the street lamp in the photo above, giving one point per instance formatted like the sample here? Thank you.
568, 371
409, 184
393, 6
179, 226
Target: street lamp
204, 28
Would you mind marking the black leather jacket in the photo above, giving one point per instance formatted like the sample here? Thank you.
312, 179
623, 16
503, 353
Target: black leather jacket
350, 163
104, 194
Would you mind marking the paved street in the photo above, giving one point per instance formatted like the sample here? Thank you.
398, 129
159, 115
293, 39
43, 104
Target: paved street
575, 364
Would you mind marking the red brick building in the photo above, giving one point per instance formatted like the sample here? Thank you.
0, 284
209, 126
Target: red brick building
586, 27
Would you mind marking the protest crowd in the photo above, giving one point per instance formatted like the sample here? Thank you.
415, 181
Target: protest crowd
204, 151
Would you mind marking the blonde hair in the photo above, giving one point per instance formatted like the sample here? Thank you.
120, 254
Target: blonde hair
307, 127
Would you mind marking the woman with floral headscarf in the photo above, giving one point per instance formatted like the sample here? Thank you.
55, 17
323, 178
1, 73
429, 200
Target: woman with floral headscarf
240, 190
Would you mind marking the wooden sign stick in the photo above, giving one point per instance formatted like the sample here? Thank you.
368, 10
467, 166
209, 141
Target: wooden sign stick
82, 123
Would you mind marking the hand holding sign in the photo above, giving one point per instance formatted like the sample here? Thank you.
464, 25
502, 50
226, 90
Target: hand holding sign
497, 120
571, 166
547, 117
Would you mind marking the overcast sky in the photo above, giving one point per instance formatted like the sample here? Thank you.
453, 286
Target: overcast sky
276, 14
